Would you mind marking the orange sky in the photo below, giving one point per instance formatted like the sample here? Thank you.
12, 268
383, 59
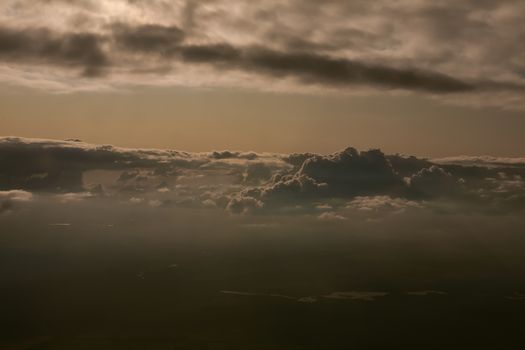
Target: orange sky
200, 120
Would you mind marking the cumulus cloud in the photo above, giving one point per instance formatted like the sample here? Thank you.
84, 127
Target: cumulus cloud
351, 172
258, 172
464, 49
243, 204
344, 174
434, 182
377, 182
329, 186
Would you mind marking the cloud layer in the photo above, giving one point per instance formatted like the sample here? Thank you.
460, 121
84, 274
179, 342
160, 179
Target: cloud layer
461, 50
328, 186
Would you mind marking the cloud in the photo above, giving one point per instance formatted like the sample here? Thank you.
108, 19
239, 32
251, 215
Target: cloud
135, 200
382, 203
462, 51
257, 172
434, 182
350, 172
308, 300
9, 199
482, 161
376, 182
59, 165
42, 46
149, 38
344, 174
356, 295
74, 197
243, 205
330, 216
425, 293
16, 195
319, 69
516, 296
330, 187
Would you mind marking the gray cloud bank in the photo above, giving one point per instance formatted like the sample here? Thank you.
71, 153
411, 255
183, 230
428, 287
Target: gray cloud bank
447, 48
246, 182
85, 51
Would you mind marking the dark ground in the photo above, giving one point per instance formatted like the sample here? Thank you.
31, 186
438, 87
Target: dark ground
153, 283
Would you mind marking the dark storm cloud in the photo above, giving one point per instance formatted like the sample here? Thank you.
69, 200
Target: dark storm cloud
151, 38
167, 42
312, 68
92, 5
73, 2
86, 50
443, 49
42, 46
322, 69
93, 53
308, 67
212, 54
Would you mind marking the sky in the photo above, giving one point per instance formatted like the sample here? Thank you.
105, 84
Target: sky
410, 76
